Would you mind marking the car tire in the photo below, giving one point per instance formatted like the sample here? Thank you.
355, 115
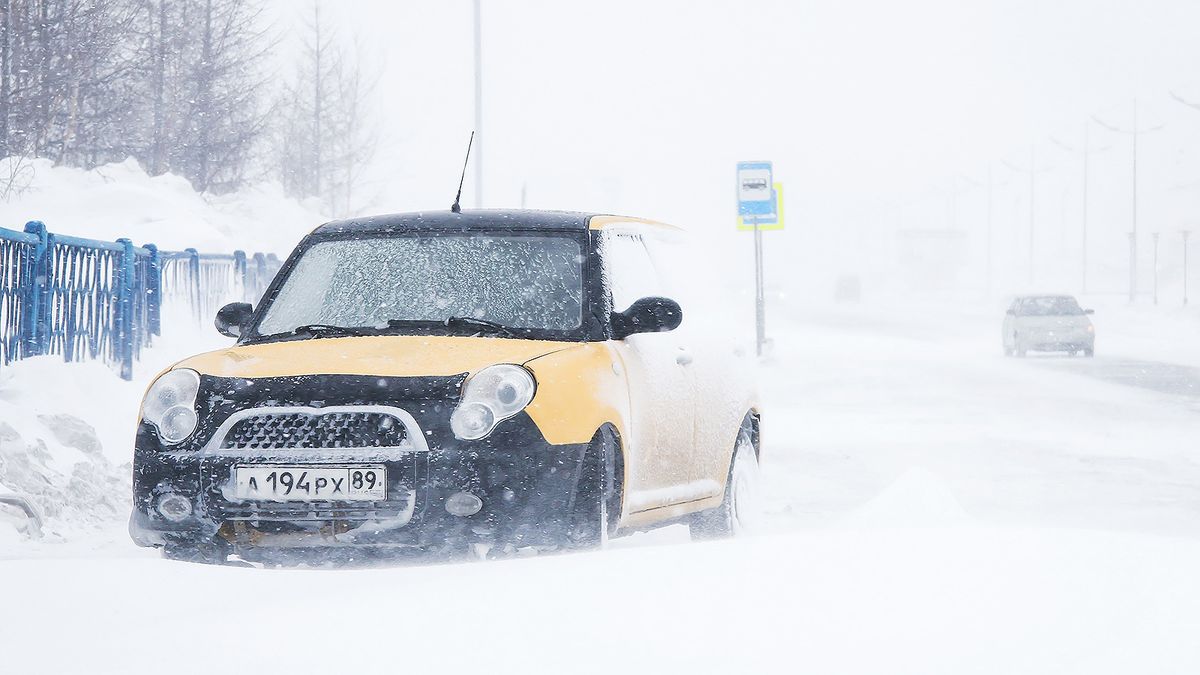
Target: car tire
1089, 352
596, 506
738, 508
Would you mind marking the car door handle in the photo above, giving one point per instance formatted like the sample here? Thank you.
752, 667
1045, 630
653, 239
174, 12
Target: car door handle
683, 357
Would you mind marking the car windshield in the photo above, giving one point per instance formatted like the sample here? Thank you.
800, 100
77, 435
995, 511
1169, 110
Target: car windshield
1049, 306
520, 282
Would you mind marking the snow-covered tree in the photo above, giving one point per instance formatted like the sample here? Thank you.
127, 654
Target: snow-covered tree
178, 84
324, 134
207, 82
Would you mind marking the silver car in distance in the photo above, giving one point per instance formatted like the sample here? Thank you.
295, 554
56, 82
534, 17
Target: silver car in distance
1048, 323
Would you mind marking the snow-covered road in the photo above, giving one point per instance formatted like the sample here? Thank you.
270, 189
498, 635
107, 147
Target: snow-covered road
1046, 441
931, 507
941, 600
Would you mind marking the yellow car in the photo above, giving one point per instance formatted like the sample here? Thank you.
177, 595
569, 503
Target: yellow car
452, 383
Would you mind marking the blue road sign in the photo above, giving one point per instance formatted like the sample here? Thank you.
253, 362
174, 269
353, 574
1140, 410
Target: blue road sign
755, 189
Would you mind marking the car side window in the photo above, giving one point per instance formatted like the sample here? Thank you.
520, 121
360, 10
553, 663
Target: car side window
677, 264
628, 270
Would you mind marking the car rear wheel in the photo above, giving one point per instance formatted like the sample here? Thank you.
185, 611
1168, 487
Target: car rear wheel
596, 507
740, 505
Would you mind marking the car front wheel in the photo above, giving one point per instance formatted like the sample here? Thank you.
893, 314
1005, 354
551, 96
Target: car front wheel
596, 508
740, 505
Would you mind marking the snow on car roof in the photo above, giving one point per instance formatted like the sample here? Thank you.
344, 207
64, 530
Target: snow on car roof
482, 219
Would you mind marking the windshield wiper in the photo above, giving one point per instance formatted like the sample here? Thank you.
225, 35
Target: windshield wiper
483, 325
327, 330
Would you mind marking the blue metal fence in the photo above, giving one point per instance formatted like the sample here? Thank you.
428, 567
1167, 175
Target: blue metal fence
89, 299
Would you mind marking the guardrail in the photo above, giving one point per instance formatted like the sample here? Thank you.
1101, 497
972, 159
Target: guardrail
91, 299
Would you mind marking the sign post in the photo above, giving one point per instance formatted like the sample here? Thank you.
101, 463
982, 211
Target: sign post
757, 196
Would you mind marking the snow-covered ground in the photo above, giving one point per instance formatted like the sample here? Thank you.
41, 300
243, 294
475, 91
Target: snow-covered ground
931, 507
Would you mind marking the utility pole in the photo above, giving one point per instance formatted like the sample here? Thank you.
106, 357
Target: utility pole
1136, 132
478, 108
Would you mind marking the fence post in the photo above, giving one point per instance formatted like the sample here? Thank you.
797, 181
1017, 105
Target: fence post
194, 273
240, 271
125, 290
36, 298
260, 277
154, 290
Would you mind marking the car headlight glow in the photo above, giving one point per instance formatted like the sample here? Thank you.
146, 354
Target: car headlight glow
491, 396
170, 405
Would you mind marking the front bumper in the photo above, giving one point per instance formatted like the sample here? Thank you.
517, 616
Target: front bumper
1060, 343
526, 484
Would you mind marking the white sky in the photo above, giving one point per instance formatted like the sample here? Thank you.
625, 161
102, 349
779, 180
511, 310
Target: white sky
868, 108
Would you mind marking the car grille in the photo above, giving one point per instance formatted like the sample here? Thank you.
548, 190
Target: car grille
298, 430
399, 507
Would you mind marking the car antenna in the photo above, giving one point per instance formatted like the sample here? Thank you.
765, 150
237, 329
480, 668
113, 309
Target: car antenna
455, 208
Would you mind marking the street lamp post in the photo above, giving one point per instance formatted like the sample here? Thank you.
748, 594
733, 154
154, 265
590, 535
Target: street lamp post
1154, 238
1033, 171
1136, 132
1032, 201
1087, 153
1185, 234
988, 274
478, 108
1087, 150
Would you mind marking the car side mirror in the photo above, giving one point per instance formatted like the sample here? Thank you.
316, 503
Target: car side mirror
1011, 312
1089, 311
233, 318
648, 315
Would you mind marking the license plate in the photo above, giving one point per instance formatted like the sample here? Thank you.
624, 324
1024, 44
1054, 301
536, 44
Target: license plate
310, 483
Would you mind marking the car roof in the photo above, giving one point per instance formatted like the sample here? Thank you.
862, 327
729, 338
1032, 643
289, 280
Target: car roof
483, 219
1032, 296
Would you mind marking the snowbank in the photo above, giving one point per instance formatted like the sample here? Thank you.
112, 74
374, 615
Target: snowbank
67, 431
121, 200
75, 470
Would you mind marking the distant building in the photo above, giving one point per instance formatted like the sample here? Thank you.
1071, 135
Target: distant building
932, 259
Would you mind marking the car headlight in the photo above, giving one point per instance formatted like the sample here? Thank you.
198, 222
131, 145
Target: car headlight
491, 396
170, 405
